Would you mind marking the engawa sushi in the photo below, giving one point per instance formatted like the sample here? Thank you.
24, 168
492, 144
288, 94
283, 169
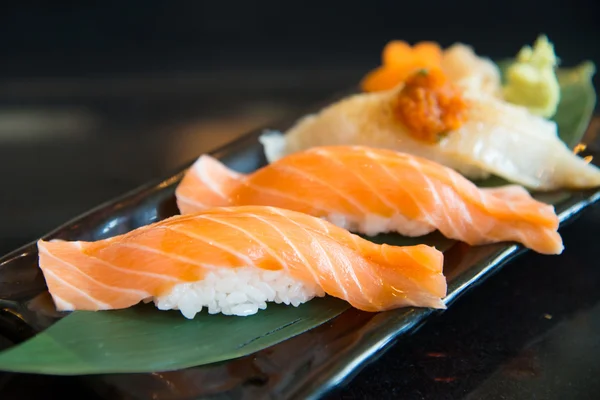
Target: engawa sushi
451, 108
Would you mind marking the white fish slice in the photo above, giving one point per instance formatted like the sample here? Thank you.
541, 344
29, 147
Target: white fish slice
498, 138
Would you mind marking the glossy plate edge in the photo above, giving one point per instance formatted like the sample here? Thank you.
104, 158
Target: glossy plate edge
343, 367
364, 351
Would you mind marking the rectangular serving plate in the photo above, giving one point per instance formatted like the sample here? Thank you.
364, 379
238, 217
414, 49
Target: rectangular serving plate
303, 367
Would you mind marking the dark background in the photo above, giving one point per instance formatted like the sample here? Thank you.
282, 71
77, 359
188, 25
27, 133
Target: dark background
89, 39
99, 97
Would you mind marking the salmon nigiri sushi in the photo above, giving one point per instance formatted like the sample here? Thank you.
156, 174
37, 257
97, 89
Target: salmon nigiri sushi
373, 190
233, 260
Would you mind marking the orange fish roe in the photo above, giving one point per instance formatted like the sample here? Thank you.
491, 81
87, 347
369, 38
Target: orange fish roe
430, 106
399, 61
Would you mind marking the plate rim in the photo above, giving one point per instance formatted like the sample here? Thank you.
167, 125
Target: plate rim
341, 375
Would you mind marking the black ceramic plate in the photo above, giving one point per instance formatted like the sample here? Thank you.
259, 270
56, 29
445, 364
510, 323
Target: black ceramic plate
305, 366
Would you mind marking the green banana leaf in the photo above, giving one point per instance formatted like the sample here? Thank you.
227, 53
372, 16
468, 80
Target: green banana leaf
577, 103
144, 339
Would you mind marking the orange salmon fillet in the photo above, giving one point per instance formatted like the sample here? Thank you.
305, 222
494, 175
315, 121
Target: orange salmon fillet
147, 262
372, 190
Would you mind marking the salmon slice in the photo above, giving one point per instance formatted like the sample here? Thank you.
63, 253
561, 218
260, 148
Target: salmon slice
373, 190
311, 256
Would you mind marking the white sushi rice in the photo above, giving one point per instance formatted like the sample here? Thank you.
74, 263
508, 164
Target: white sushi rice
373, 224
237, 291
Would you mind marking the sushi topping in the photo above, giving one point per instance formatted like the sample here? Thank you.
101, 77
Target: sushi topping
430, 106
400, 61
